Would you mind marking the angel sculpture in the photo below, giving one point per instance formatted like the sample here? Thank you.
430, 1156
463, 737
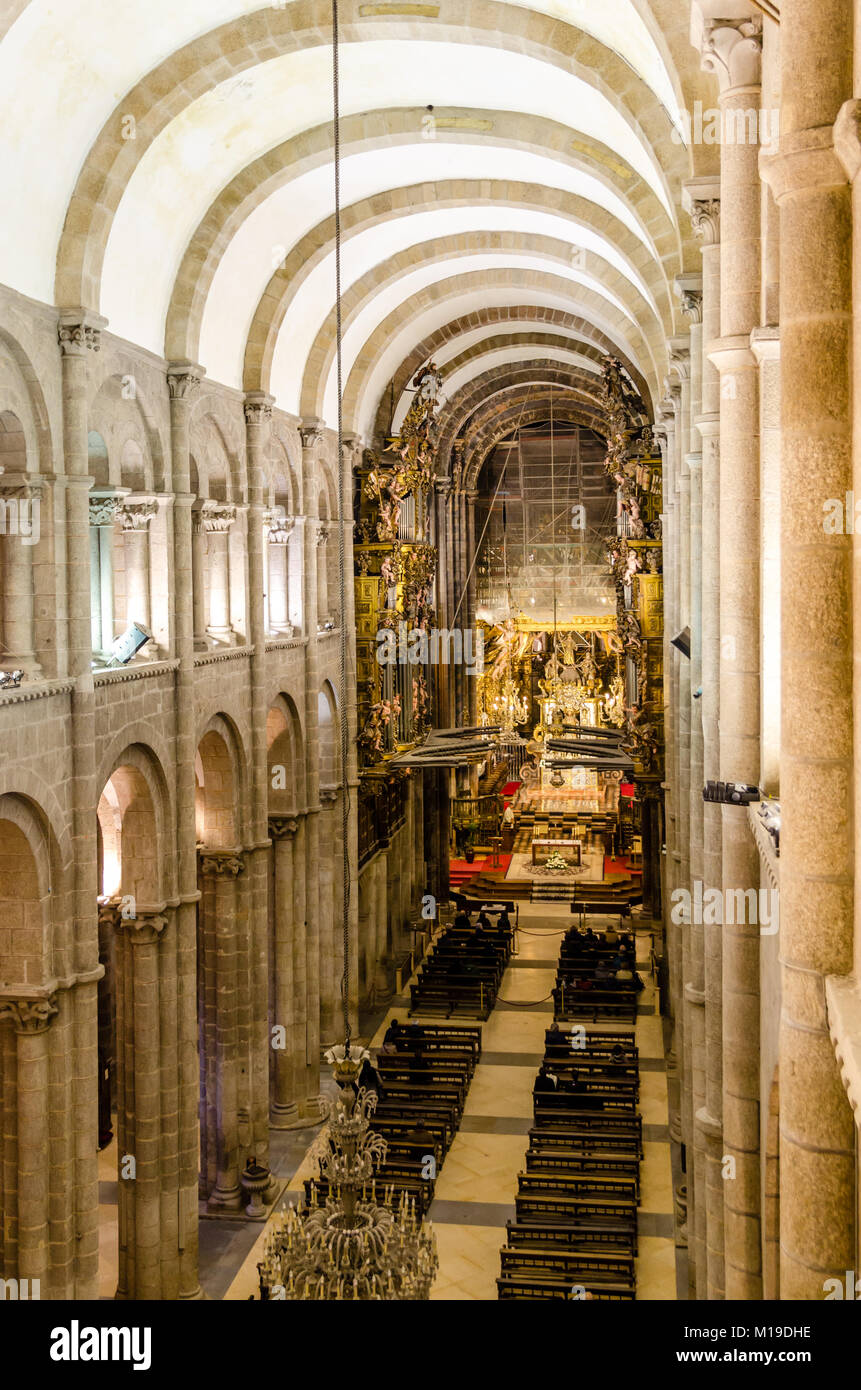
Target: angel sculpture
637, 526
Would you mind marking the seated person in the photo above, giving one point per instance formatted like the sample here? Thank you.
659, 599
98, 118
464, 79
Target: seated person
554, 1028
546, 1080
462, 920
484, 921
503, 922
584, 1101
369, 1079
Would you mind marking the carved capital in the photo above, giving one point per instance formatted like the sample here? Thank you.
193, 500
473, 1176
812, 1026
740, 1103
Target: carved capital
279, 527
311, 433
213, 517
689, 292
143, 929
79, 333
29, 1015
25, 486
183, 380
136, 513
282, 827
705, 220
104, 507
680, 362
732, 50
221, 863
258, 408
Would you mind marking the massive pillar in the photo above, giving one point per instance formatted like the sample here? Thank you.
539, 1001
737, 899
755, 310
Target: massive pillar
703, 203
284, 1111
258, 417
27, 1216
312, 440
183, 382
732, 50
817, 1138
689, 289
220, 1026
79, 338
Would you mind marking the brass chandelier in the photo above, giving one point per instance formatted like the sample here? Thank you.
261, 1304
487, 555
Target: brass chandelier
347, 1246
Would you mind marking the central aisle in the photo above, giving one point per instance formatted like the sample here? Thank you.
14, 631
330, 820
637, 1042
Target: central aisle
477, 1183
476, 1187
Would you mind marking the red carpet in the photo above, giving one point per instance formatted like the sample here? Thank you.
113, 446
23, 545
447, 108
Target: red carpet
461, 872
618, 866
510, 788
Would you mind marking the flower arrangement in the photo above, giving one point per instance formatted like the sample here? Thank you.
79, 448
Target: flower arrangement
557, 863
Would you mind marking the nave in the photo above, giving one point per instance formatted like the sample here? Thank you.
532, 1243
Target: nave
475, 1190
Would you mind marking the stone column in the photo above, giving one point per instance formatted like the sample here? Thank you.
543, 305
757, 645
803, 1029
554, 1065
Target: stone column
21, 498
139, 1138
216, 519
258, 419
136, 513
322, 563
468, 617
311, 432
443, 539
327, 866
78, 945
765, 345
350, 459
689, 291
680, 366
279, 530
30, 1168
808, 180
284, 1111
220, 1149
299, 1014
198, 569
183, 384
732, 50
701, 199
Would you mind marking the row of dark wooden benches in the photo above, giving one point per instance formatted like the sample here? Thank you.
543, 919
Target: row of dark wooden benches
425, 1082
462, 973
575, 1232
577, 993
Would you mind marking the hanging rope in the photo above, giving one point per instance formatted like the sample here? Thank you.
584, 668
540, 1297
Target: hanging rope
342, 574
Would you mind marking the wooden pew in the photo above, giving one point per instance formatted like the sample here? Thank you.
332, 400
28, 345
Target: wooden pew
594, 1004
619, 1237
473, 998
577, 1266
584, 1141
548, 1206
620, 1186
615, 1099
560, 1160
532, 1286
597, 1122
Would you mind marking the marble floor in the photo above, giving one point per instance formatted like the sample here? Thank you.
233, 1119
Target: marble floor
477, 1182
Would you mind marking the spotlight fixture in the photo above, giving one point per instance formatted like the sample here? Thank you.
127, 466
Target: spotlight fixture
129, 644
682, 641
730, 793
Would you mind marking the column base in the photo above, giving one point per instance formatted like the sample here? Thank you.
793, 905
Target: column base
284, 1116
225, 1199
309, 1110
